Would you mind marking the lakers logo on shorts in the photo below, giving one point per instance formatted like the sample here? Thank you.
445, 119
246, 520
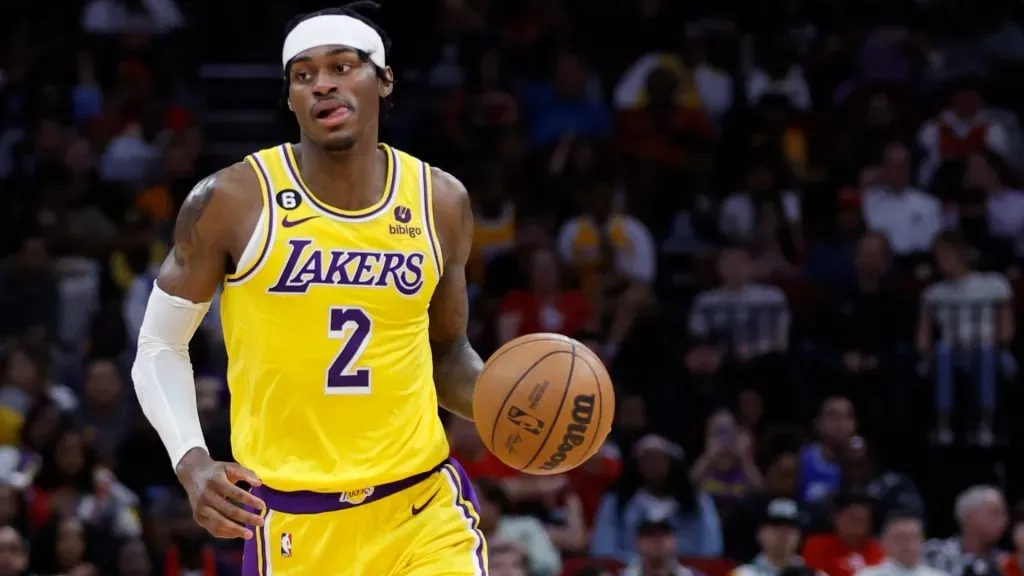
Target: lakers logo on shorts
356, 496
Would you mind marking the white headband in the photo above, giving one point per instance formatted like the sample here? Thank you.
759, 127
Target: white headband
333, 29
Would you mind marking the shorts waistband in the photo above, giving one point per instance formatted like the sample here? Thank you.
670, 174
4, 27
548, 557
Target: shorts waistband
308, 502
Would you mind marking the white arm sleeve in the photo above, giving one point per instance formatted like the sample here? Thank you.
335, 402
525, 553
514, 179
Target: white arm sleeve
163, 371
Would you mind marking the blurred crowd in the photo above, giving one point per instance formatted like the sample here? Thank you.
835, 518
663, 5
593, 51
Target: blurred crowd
792, 229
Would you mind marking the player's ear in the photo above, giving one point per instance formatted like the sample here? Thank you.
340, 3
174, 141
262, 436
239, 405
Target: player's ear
386, 84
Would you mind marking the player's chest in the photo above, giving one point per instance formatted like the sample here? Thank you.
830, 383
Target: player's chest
372, 260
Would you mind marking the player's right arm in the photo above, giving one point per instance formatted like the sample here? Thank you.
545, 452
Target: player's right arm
206, 231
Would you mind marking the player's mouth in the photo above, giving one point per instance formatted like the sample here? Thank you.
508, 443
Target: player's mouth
331, 113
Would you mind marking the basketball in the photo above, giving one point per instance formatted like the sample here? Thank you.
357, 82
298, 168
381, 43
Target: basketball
544, 403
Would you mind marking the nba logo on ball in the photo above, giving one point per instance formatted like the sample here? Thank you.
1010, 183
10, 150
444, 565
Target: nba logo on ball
286, 544
403, 214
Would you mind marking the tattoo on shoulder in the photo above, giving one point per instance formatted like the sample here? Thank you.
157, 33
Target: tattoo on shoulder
192, 209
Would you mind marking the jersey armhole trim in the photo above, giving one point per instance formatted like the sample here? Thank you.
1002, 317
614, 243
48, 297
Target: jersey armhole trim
426, 183
250, 262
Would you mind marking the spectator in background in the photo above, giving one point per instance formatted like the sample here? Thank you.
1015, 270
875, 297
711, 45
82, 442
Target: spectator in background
903, 541
60, 548
133, 559
494, 223
779, 538
831, 259
28, 290
547, 306
506, 558
742, 322
567, 104
593, 478
909, 218
615, 257
850, 547
981, 512
836, 424
778, 459
103, 414
742, 213
656, 552
778, 75
726, 470
974, 315
13, 552
670, 126
498, 522
990, 211
963, 128
656, 486
1013, 564
869, 317
891, 492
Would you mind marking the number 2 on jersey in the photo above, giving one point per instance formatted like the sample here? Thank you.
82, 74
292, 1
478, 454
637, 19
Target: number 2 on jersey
342, 376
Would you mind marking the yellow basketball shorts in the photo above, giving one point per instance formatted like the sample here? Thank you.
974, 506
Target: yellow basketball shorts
425, 525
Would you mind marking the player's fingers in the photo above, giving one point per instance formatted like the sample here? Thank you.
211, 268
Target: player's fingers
238, 473
218, 526
235, 513
239, 496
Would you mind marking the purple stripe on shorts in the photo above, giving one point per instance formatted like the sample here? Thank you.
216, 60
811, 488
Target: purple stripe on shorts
307, 502
250, 550
466, 498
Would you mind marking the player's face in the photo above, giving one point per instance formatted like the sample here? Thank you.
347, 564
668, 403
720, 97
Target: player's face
335, 95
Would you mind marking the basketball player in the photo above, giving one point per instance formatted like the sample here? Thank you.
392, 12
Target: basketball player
344, 309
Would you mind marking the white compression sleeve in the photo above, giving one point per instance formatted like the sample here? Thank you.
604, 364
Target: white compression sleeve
163, 371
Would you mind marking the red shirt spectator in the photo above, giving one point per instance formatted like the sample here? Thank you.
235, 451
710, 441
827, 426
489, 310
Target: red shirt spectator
851, 547
831, 555
591, 480
546, 306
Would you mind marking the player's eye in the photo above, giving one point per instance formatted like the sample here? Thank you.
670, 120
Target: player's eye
302, 75
342, 68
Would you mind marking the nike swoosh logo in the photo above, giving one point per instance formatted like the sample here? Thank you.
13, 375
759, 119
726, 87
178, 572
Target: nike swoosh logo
416, 510
290, 223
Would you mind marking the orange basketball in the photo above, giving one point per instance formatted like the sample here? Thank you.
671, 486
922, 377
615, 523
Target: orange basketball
544, 403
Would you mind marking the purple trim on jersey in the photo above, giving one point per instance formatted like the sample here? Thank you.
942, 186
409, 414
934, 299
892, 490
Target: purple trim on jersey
306, 502
428, 206
466, 495
270, 224
291, 162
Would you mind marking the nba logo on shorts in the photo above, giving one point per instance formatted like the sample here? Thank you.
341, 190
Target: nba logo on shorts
286, 544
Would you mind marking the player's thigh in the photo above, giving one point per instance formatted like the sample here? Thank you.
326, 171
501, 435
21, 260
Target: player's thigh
446, 538
303, 544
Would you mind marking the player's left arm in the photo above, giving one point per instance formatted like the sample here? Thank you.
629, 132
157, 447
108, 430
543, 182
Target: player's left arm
456, 364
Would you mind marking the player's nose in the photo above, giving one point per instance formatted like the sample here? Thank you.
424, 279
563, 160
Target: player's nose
325, 86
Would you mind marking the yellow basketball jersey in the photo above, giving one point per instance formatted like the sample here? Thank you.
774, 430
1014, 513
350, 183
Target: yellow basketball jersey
329, 361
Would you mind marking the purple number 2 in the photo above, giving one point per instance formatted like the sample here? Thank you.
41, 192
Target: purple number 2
354, 326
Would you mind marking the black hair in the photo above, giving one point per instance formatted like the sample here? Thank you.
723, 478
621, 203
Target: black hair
900, 514
677, 484
354, 10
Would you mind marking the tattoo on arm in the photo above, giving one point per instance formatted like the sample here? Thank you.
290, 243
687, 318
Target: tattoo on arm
456, 368
186, 233
456, 364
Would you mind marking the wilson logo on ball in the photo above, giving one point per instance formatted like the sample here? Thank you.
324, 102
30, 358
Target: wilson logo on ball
582, 414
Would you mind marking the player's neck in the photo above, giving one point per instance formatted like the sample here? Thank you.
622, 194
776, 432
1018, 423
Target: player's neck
347, 180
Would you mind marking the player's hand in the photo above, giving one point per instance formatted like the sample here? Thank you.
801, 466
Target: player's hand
216, 500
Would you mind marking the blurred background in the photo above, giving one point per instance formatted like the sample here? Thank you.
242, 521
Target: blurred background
793, 230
